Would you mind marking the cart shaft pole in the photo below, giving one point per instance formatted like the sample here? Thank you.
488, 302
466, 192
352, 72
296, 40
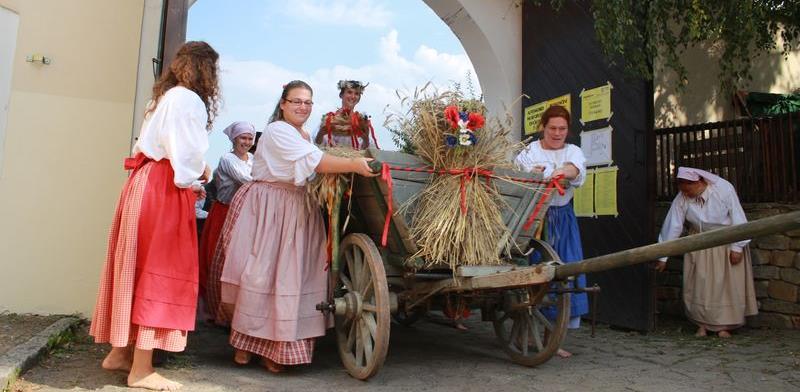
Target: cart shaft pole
709, 239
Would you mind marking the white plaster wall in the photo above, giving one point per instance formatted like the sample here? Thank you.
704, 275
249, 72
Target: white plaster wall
702, 101
69, 127
148, 50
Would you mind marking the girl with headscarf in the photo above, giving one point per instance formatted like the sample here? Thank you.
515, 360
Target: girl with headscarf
718, 289
233, 171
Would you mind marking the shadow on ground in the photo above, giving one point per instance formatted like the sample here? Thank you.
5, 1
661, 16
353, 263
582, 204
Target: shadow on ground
430, 355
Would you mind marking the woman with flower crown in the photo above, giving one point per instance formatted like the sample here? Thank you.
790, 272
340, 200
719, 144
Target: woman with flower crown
553, 157
346, 126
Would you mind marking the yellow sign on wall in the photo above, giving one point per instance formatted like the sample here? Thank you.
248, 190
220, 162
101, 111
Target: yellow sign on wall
596, 103
583, 198
605, 191
534, 112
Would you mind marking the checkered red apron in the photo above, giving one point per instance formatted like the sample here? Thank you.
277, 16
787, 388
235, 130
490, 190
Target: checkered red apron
213, 289
112, 320
284, 353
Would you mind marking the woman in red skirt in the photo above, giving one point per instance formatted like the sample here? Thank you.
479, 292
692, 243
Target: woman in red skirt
233, 171
148, 291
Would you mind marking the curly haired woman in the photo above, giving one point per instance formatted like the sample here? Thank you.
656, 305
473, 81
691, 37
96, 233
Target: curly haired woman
148, 290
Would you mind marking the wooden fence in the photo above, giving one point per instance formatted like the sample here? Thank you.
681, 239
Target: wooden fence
759, 156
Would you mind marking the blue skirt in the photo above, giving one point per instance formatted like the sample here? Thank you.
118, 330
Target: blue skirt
561, 232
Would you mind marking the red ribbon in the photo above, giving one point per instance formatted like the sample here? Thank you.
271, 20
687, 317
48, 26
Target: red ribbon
548, 190
386, 175
135, 162
467, 174
372, 131
328, 118
355, 131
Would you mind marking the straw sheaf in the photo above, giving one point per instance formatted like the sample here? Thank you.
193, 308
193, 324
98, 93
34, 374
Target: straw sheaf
443, 233
322, 188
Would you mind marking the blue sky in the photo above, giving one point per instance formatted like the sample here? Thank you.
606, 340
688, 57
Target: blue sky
393, 45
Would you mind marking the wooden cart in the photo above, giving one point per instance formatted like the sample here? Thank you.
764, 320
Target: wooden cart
371, 285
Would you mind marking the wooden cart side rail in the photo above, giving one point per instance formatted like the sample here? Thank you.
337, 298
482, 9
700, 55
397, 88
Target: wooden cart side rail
516, 277
709, 239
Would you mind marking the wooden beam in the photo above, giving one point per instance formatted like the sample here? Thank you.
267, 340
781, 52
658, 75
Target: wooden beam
524, 276
173, 35
709, 239
481, 270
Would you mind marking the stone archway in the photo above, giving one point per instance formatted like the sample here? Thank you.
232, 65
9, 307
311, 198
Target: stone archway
491, 34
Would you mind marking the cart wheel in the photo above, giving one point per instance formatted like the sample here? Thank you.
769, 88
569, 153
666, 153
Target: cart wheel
527, 336
362, 328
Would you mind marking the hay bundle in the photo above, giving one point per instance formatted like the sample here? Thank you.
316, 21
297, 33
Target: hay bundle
323, 188
458, 219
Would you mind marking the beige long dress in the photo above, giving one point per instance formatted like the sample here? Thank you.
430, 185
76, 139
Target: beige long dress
716, 294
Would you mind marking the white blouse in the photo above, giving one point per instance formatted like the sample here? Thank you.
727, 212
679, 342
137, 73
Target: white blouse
283, 155
534, 155
176, 130
230, 174
717, 206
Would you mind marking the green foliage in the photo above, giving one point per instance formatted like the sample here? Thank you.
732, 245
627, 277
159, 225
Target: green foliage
641, 31
786, 104
401, 140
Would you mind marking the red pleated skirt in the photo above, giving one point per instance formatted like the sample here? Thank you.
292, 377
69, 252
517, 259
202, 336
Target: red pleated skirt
148, 289
208, 242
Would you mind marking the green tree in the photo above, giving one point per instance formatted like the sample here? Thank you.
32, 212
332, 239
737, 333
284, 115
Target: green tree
641, 31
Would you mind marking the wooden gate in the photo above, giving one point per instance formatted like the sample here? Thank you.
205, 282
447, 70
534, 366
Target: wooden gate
561, 56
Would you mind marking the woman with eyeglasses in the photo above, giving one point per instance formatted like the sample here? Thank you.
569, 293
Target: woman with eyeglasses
273, 242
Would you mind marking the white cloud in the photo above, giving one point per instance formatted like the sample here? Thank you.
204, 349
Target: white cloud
363, 13
252, 88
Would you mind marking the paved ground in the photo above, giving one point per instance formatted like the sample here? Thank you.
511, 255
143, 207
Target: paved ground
436, 357
16, 329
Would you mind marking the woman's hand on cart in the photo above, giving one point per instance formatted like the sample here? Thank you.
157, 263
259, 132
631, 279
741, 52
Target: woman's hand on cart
365, 167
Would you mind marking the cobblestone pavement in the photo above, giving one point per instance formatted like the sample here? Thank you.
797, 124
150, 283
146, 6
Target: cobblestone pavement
432, 356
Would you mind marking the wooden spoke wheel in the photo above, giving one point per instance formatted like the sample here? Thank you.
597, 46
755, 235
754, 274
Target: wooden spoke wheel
525, 333
362, 307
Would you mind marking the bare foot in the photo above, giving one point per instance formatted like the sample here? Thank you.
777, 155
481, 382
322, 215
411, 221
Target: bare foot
724, 334
563, 353
241, 357
701, 332
272, 366
119, 358
460, 327
153, 381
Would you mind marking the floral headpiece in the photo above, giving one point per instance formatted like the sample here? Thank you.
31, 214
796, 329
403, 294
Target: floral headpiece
466, 124
353, 84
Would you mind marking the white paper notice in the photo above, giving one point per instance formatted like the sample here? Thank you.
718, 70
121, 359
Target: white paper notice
596, 146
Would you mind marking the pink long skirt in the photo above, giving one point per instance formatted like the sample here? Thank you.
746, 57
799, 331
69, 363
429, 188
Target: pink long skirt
274, 273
